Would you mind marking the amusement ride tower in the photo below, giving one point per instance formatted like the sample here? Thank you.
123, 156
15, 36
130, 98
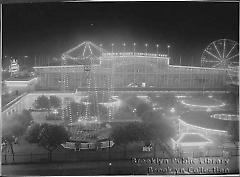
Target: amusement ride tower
86, 56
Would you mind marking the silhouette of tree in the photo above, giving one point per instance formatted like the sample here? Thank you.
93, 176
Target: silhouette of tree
15, 127
48, 136
158, 129
55, 101
25, 118
142, 108
42, 102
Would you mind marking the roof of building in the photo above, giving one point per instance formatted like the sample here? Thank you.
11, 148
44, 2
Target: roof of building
192, 138
20, 78
203, 119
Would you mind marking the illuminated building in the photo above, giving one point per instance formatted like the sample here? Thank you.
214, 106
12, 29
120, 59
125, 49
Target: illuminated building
14, 67
124, 69
191, 140
206, 124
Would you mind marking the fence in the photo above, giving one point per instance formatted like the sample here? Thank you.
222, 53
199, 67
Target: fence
108, 154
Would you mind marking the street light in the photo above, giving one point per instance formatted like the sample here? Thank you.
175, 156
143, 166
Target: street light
168, 49
109, 157
112, 47
101, 47
134, 44
124, 47
109, 168
172, 110
157, 48
146, 45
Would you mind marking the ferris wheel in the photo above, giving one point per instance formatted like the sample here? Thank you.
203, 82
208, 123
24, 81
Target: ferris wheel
222, 53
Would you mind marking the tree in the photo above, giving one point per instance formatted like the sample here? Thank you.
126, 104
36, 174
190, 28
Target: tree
9, 139
55, 102
136, 132
119, 135
150, 116
142, 108
25, 118
11, 129
157, 129
47, 136
129, 133
166, 100
125, 113
133, 101
42, 102
33, 132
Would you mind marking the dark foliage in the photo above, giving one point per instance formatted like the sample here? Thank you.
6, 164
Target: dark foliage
48, 136
55, 102
42, 102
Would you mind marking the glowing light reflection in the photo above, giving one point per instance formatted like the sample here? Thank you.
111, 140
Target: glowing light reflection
203, 106
206, 129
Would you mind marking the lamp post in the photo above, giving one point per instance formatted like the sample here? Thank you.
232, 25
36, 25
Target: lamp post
35, 61
112, 47
146, 45
109, 157
168, 49
124, 44
101, 47
134, 44
157, 48
109, 168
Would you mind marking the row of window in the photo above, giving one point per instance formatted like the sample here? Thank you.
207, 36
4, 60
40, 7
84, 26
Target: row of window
11, 112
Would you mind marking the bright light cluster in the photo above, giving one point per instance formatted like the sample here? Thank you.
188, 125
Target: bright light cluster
225, 117
180, 96
208, 141
91, 119
134, 54
202, 128
55, 111
95, 89
203, 106
87, 105
109, 90
172, 110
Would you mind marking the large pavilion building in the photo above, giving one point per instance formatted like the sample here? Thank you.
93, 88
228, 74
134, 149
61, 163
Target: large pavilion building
125, 70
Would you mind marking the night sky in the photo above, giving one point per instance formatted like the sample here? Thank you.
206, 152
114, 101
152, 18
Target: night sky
49, 29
